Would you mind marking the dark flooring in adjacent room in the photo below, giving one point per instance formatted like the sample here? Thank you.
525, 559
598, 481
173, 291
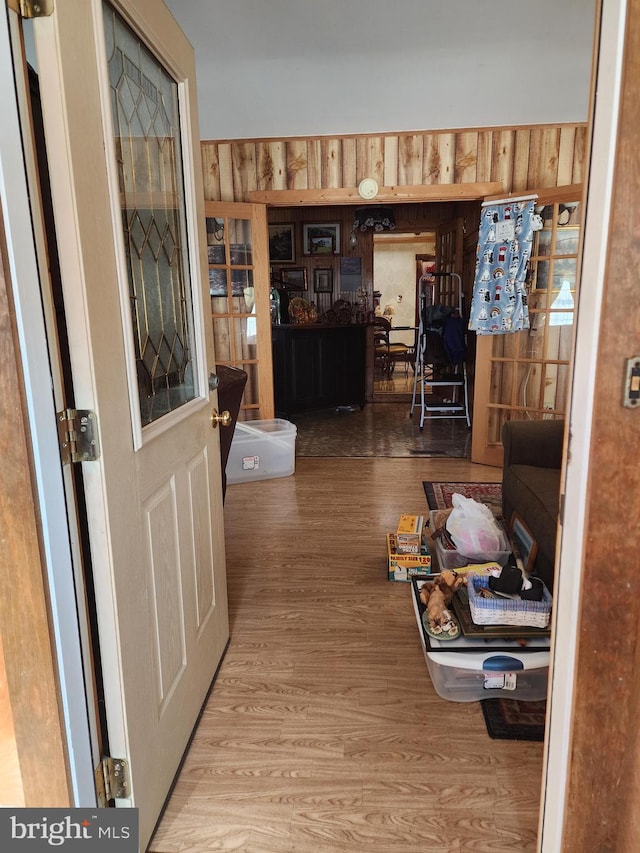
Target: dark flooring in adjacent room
380, 430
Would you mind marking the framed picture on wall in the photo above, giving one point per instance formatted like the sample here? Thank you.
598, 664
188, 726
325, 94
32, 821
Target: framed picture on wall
294, 278
282, 249
321, 245
323, 280
317, 236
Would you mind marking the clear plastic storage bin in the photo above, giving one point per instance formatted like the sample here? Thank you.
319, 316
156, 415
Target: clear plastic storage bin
448, 559
468, 670
471, 676
262, 450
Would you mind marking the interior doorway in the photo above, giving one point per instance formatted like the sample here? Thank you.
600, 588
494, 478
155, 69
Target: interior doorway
395, 258
388, 270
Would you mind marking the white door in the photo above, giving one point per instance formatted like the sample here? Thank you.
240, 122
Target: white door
119, 102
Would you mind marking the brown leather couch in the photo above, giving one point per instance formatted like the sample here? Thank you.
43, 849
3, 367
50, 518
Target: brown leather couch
531, 484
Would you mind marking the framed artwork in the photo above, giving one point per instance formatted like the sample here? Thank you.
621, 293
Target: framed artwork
350, 274
294, 278
282, 243
316, 237
323, 280
524, 545
321, 246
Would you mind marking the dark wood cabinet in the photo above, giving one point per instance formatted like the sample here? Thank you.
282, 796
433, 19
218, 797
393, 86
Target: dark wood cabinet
318, 367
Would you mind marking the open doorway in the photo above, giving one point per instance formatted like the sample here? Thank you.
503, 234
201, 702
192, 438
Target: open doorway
395, 275
387, 267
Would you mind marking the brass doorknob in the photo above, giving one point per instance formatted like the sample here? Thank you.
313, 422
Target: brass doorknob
224, 418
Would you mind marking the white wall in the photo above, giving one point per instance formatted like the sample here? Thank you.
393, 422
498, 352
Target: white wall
394, 275
305, 68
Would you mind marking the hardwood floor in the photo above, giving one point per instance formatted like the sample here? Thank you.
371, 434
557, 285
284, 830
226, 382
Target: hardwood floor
323, 733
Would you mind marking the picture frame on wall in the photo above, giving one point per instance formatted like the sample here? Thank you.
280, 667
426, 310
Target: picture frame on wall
323, 280
321, 246
316, 236
524, 545
282, 247
294, 278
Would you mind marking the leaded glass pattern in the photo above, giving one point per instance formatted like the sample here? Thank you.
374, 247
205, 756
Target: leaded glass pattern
146, 125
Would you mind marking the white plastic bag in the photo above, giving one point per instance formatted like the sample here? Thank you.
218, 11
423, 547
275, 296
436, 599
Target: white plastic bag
474, 529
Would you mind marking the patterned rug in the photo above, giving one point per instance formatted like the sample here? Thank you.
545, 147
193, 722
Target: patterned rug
439, 494
509, 719
506, 719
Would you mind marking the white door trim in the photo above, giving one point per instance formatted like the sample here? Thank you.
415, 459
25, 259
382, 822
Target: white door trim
41, 410
570, 547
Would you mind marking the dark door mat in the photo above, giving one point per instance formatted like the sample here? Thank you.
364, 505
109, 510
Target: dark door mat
510, 719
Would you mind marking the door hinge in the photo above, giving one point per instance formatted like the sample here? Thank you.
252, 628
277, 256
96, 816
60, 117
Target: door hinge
36, 8
112, 780
78, 435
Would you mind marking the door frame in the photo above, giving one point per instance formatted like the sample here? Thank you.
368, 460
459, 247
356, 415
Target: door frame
571, 546
39, 403
21, 224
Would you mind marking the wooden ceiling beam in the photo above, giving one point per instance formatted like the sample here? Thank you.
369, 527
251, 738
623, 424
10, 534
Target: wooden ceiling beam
386, 195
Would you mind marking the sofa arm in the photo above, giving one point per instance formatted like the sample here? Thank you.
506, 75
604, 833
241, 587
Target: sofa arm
538, 443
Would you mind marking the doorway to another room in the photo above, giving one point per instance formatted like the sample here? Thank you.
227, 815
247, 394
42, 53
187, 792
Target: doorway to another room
390, 265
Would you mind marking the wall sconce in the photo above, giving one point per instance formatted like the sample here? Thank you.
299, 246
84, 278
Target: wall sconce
215, 227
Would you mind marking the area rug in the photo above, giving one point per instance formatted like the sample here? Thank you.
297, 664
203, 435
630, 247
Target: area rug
439, 494
509, 719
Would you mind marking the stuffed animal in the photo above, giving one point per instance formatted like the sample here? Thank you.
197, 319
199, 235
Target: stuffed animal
436, 595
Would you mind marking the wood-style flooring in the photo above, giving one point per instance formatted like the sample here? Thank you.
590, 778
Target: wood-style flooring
323, 733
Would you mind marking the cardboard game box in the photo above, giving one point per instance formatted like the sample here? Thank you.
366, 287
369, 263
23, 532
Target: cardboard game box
403, 567
409, 534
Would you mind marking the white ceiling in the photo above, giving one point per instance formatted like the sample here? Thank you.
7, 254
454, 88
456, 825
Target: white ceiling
303, 68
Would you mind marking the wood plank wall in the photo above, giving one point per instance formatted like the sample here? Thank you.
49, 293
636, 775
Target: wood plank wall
409, 218
520, 157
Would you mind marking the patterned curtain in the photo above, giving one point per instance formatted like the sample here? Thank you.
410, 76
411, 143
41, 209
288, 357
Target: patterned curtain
499, 303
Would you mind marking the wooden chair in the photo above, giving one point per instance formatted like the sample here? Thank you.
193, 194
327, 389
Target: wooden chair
386, 354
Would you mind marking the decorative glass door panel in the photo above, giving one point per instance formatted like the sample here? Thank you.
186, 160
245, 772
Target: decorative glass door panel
527, 374
239, 286
146, 126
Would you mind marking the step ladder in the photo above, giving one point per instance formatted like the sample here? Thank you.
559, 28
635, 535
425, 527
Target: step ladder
439, 375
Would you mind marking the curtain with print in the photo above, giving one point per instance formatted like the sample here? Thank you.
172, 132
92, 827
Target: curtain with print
499, 303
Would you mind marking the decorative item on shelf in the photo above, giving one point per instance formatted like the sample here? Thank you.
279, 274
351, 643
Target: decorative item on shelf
343, 311
361, 301
275, 306
302, 312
